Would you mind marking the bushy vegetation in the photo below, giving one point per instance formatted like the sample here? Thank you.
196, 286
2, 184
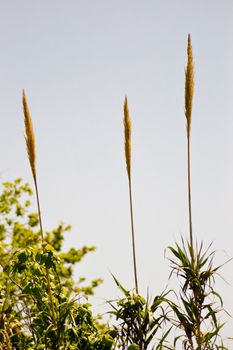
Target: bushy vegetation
32, 315
44, 306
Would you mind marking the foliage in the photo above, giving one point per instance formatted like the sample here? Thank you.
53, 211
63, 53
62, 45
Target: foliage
140, 322
199, 303
26, 318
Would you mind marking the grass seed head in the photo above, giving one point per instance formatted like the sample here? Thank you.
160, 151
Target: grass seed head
189, 86
29, 136
127, 128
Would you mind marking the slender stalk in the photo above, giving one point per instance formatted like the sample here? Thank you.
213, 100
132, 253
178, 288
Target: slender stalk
39, 211
190, 200
43, 247
133, 236
50, 293
196, 299
127, 129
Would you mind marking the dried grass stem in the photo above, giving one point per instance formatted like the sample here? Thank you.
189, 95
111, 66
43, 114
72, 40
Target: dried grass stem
31, 151
189, 90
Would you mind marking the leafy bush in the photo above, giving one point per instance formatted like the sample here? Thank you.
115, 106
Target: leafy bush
27, 319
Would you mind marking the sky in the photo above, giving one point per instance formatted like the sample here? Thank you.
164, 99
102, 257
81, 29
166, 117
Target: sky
76, 61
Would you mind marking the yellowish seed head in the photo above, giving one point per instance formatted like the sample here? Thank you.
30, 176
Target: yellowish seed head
189, 86
127, 128
29, 136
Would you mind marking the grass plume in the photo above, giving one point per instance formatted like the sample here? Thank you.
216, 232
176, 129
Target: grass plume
189, 86
29, 136
127, 130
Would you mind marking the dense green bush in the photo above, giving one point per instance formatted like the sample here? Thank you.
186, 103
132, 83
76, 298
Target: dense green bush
27, 320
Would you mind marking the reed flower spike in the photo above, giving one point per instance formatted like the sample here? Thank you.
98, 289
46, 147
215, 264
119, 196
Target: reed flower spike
29, 136
189, 86
127, 125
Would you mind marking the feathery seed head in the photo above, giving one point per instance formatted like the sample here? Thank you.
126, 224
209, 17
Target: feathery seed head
29, 136
189, 86
127, 127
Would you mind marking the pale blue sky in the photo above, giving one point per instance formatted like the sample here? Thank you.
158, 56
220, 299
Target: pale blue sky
77, 60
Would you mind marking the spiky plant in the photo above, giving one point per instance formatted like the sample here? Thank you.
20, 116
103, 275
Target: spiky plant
141, 323
127, 131
197, 314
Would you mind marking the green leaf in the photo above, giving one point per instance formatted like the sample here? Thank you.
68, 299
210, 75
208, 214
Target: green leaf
133, 347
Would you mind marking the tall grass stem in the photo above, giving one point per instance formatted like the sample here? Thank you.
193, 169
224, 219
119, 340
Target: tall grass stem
127, 131
31, 151
189, 91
